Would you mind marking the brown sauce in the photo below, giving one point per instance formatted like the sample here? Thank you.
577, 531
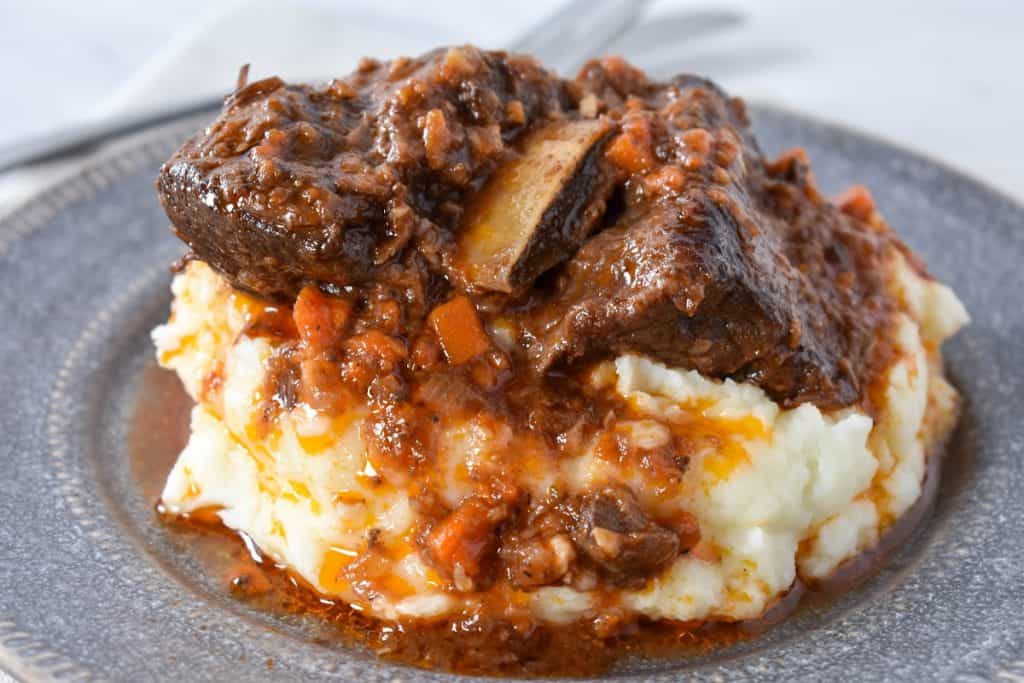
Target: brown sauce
356, 226
160, 429
659, 228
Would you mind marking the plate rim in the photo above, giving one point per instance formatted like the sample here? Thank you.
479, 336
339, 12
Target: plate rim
128, 153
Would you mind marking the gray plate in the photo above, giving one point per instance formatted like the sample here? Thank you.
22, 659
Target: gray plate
91, 587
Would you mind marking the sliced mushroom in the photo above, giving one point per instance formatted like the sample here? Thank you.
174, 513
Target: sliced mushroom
536, 209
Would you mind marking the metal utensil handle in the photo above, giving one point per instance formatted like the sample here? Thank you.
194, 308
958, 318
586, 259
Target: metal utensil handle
83, 138
576, 31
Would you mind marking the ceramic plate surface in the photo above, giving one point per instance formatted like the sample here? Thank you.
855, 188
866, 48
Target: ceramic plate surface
93, 587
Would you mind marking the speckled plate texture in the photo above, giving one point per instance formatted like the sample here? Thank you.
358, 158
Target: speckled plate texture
92, 587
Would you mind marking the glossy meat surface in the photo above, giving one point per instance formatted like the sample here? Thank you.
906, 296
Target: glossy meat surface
673, 237
295, 184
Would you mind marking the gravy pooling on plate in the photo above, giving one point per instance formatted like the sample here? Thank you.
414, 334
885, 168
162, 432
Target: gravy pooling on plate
160, 428
471, 343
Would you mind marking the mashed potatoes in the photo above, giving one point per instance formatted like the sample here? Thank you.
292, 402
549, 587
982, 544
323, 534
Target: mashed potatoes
777, 493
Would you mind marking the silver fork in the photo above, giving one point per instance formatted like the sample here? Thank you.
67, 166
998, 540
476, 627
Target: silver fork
564, 40
578, 31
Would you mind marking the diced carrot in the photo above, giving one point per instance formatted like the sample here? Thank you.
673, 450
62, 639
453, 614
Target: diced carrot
624, 76
666, 180
631, 150
464, 538
856, 201
457, 64
320, 319
459, 330
700, 141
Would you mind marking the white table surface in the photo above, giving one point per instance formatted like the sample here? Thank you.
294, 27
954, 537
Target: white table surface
942, 77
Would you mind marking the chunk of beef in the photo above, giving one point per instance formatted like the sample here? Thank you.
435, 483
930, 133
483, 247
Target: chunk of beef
680, 287
539, 550
464, 544
481, 171
720, 263
300, 184
612, 530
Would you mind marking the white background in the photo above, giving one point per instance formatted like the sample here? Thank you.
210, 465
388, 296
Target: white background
943, 77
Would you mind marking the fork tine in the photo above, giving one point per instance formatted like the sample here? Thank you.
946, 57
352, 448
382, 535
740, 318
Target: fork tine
546, 30
578, 31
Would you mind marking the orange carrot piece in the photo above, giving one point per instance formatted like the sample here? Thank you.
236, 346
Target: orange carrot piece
459, 330
463, 538
631, 150
320, 319
856, 201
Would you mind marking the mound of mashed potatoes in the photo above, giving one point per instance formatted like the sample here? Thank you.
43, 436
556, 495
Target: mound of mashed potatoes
765, 495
